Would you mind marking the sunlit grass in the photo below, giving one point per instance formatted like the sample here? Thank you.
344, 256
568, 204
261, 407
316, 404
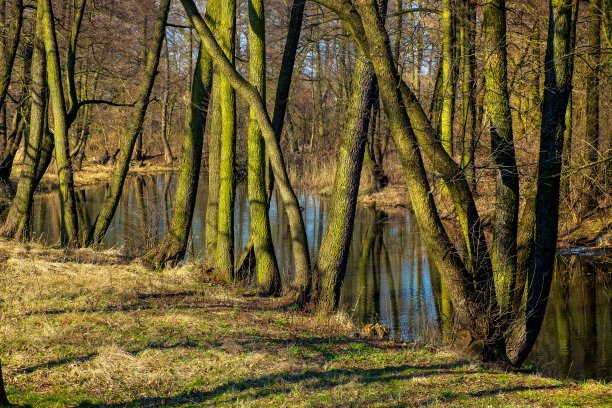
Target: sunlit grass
86, 328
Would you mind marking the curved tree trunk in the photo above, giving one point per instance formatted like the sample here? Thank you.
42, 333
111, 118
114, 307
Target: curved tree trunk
174, 243
109, 205
268, 276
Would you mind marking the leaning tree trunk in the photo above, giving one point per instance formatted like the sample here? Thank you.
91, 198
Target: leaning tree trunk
174, 243
330, 267
227, 165
62, 147
110, 203
248, 92
17, 221
268, 276
558, 68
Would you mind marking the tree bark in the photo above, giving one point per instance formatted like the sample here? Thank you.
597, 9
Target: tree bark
174, 243
330, 267
497, 101
60, 134
593, 145
268, 276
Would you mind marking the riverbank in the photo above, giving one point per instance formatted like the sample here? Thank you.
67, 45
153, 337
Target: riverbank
93, 329
92, 174
315, 171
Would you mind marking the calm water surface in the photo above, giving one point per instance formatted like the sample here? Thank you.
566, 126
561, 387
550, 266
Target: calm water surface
389, 278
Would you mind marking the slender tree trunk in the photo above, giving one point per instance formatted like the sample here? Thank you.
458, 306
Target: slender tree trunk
112, 200
468, 88
214, 152
19, 122
165, 119
174, 243
497, 100
449, 83
60, 134
330, 267
268, 276
227, 185
593, 146
373, 157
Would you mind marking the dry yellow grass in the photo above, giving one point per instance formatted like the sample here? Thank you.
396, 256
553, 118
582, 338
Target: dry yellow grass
89, 175
92, 329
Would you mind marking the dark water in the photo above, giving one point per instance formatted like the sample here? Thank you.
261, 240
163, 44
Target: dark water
389, 278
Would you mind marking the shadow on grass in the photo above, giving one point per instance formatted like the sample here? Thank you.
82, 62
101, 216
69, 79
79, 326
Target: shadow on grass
313, 382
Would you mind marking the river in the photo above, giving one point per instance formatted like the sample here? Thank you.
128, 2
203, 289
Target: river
389, 278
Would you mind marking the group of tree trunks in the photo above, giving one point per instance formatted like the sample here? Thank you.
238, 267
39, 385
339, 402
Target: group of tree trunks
499, 291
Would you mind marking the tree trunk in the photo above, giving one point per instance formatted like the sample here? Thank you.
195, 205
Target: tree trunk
330, 267
60, 134
109, 205
165, 119
174, 243
449, 82
227, 164
4, 402
280, 109
497, 101
268, 276
214, 152
468, 89
593, 146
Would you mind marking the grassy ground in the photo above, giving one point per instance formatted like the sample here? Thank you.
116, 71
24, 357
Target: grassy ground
92, 329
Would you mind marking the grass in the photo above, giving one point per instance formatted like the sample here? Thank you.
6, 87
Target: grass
83, 328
